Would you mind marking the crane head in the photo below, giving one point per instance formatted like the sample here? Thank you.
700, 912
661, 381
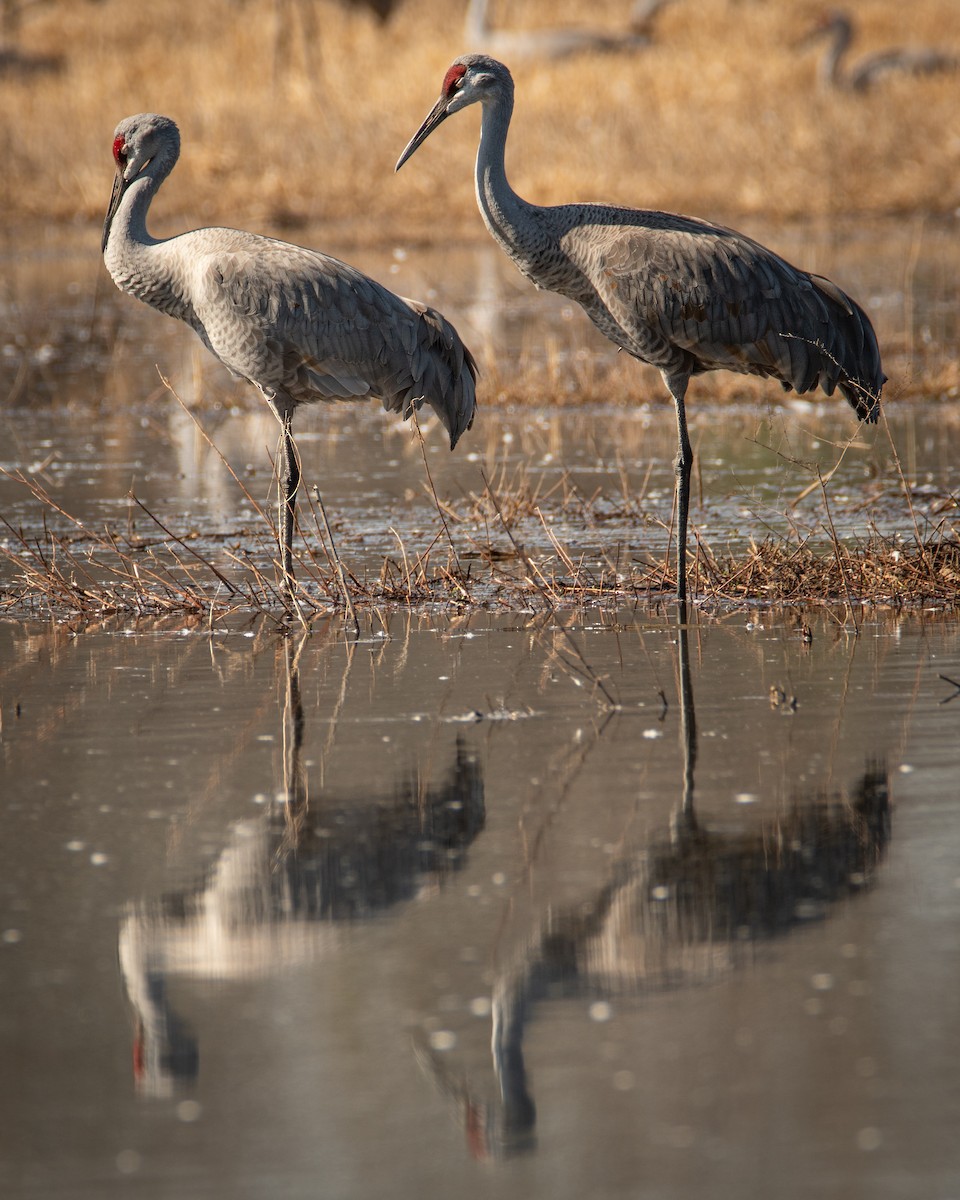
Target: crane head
137, 141
470, 79
830, 21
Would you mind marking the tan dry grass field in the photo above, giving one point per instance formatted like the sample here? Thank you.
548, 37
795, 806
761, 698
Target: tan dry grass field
721, 116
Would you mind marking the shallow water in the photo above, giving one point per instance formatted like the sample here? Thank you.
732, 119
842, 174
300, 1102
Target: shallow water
484, 902
304, 882
599, 482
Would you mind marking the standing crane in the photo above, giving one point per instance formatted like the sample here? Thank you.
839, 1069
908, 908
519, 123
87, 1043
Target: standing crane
837, 28
676, 292
299, 325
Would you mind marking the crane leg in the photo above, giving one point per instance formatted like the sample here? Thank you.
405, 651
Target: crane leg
289, 485
678, 389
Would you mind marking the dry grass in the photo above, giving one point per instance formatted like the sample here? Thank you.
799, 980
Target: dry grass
876, 571
499, 550
720, 117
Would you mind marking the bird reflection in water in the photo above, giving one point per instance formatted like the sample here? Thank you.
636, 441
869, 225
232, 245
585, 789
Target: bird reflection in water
285, 885
688, 908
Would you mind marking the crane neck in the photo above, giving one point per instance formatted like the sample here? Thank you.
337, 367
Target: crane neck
130, 253
506, 216
128, 227
841, 35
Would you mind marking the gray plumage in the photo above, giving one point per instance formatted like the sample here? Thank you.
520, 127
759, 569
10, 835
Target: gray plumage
837, 28
297, 324
679, 293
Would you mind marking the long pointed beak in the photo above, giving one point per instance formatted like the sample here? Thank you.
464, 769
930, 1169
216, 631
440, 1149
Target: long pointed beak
437, 115
119, 187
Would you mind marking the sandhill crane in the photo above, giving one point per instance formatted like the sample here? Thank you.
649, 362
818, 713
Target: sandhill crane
679, 293
481, 35
837, 27
299, 325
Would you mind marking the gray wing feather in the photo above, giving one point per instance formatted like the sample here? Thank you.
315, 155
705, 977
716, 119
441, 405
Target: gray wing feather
697, 297
296, 321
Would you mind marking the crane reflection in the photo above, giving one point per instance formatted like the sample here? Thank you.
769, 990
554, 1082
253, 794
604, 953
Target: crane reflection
686, 908
288, 882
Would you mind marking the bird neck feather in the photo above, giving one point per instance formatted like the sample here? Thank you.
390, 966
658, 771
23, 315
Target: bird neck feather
830, 64
130, 220
143, 266
505, 214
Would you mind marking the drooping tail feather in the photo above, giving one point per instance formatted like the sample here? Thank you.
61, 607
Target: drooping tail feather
458, 405
442, 372
850, 360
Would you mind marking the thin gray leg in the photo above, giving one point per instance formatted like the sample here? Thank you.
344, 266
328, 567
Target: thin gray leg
688, 716
289, 485
678, 389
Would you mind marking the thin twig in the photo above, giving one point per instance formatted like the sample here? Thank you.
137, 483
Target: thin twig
590, 673
180, 542
337, 564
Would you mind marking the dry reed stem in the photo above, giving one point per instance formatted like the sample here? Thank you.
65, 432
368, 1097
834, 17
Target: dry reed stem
105, 579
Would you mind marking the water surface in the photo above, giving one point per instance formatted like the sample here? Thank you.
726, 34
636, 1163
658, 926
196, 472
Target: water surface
486, 901
267, 901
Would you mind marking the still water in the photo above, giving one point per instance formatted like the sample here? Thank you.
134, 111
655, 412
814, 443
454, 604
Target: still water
423, 915
491, 901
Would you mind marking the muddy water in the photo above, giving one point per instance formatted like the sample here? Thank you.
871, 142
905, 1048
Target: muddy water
475, 905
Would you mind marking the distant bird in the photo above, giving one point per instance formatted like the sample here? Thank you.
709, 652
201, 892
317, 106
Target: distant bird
481, 35
297, 324
837, 28
676, 292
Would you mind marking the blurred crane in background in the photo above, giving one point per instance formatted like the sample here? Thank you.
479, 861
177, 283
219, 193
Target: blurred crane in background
836, 28
481, 35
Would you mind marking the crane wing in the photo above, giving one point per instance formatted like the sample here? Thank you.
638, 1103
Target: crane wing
689, 297
300, 322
